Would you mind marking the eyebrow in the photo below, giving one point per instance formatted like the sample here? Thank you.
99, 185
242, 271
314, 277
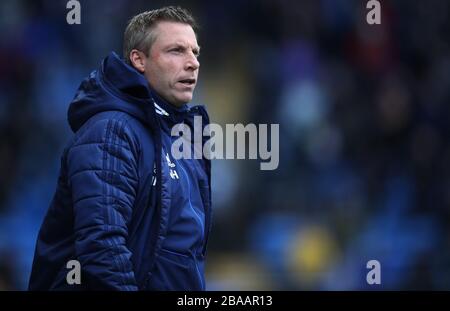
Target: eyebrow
179, 44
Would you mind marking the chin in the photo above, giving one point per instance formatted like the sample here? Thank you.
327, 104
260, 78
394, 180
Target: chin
184, 100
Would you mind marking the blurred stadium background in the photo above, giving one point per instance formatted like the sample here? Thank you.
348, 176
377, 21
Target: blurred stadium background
364, 135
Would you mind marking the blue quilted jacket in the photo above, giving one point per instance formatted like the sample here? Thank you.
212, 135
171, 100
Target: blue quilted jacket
133, 216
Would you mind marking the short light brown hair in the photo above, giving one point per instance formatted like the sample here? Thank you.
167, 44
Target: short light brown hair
139, 32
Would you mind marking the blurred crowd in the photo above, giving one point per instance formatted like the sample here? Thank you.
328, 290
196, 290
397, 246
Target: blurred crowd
364, 167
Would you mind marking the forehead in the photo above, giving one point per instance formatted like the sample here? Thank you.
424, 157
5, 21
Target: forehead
172, 32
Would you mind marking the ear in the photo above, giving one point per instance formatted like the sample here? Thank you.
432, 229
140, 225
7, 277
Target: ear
138, 59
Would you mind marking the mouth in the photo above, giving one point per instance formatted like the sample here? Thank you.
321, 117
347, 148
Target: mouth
190, 82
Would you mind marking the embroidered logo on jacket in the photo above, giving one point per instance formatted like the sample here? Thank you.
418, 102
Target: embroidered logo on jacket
173, 172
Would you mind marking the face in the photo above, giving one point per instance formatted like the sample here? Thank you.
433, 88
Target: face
172, 67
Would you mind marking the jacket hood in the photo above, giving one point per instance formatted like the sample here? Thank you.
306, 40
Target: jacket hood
118, 86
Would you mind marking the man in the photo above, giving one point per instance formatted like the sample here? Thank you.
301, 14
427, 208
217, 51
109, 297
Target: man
134, 217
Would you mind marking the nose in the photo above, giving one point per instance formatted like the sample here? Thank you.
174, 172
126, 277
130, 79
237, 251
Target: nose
192, 62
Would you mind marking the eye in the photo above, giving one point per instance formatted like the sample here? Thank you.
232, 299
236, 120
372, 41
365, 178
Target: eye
177, 50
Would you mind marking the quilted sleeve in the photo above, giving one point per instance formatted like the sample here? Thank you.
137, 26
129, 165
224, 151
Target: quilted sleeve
103, 177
